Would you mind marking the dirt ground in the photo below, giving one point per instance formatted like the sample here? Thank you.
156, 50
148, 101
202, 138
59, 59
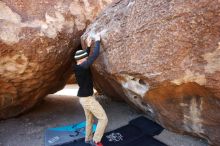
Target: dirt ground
64, 109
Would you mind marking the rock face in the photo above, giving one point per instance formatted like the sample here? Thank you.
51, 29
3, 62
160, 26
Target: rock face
37, 39
163, 57
71, 80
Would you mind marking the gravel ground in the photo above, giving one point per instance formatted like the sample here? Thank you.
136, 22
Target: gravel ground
59, 110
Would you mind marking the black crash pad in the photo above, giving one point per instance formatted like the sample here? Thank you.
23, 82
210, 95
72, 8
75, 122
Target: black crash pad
147, 126
141, 141
138, 132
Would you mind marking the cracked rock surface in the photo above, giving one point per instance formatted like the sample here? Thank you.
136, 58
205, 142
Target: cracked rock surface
162, 57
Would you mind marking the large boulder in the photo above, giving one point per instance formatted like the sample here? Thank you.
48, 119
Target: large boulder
163, 57
37, 40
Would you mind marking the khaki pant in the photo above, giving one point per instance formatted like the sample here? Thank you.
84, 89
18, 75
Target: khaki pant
92, 108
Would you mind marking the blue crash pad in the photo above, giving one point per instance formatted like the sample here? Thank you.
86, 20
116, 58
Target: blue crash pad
61, 135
